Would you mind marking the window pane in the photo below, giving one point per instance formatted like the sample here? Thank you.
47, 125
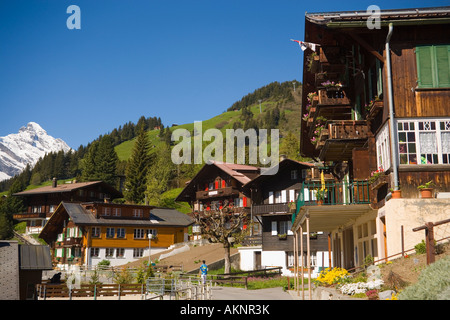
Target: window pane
403, 159
428, 142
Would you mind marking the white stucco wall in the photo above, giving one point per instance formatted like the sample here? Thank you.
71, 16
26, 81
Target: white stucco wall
247, 257
413, 213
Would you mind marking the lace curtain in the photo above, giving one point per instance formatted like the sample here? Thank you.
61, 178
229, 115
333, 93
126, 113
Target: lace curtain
428, 143
445, 137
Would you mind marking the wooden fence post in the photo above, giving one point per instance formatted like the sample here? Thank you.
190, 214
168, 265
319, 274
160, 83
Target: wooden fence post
429, 233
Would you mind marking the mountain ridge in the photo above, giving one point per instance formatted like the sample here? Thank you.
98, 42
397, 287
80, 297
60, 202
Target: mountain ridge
17, 150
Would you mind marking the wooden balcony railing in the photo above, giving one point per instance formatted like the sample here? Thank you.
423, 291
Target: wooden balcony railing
217, 193
68, 242
346, 129
333, 193
26, 215
333, 97
271, 208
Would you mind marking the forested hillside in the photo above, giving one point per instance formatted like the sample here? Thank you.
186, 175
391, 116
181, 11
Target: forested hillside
118, 157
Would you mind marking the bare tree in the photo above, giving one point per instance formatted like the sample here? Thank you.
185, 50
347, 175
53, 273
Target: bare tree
219, 225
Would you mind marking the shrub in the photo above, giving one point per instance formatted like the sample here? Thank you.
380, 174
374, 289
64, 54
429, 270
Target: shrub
360, 287
421, 247
433, 283
331, 276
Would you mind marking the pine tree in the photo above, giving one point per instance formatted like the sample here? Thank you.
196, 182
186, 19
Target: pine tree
137, 169
161, 173
106, 160
88, 163
100, 162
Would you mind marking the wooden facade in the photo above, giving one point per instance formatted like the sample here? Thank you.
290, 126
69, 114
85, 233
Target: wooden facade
219, 184
86, 233
355, 56
42, 202
347, 123
274, 202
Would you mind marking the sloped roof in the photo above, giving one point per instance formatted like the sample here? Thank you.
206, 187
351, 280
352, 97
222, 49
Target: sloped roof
236, 170
386, 16
68, 187
163, 217
274, 170
239, 172
33, 257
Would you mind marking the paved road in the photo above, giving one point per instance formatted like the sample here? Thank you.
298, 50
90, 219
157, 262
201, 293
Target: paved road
228, 293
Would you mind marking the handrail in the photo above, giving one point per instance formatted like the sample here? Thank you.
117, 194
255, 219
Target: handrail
332, 193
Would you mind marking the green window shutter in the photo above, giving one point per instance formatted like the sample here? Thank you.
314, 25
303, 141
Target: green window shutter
442, 66
424, 67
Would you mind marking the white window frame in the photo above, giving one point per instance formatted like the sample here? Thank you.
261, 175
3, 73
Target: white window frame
95, 232
383, 148
138, 252
109, 252
120, 252
139, 233
110, 232
138, 213
120, 233
438, 133
106, 211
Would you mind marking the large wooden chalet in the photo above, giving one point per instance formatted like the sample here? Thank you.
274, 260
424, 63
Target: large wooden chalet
376, 113
42, 202
274, 197
218, 184
85, 233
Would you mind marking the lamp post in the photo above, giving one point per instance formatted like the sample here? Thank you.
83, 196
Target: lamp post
150, 236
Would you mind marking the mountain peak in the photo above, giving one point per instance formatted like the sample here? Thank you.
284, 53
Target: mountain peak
26, 147
32, 126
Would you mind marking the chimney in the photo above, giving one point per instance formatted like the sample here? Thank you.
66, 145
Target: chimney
54, 183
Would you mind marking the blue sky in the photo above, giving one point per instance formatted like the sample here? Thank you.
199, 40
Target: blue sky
179, 60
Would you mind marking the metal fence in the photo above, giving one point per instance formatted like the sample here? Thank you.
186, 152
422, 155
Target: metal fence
332, 193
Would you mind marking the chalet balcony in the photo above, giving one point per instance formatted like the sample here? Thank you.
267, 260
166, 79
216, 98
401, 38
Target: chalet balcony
217, 193
233, 209
374, 108
333, 194
26, 215
70, 242
333, 97
252, 240
274, 208
337, 139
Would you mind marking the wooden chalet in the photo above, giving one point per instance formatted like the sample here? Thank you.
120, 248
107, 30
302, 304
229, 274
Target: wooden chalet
218, 184
376, 114
85, 233
274, 197
42, 202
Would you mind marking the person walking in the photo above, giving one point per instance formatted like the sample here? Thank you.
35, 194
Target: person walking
203, 271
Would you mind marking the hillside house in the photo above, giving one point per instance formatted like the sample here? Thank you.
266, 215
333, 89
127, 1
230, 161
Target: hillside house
218, 184
273, 203
42, 202
377, 115
85, 233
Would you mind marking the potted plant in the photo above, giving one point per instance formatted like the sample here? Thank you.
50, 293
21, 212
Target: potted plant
282, 236
320, 196
425, 190
292, 206
396, 194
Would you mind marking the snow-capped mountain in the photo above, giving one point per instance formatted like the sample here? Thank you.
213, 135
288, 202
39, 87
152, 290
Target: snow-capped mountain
26, 147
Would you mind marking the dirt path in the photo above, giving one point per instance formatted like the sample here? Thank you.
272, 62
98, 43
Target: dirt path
191, 259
